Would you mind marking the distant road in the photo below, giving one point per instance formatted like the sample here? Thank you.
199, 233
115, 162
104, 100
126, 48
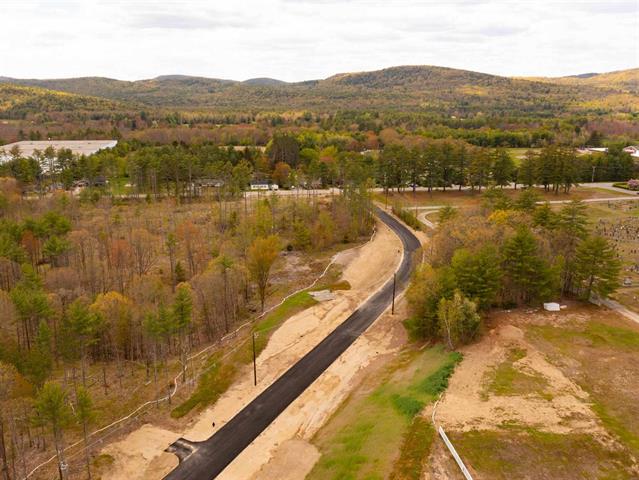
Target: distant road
205, 460
427, 210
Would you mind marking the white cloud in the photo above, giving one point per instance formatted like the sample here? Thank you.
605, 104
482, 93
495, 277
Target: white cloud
307, 39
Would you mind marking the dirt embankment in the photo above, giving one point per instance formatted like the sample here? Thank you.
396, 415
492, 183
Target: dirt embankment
141, 454
559, 406
537, 371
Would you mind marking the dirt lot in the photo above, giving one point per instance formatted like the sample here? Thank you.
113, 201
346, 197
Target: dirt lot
550, 395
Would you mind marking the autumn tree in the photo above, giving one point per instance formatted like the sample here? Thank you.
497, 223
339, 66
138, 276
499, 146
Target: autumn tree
458, 319
8, 375
144, 250
260, 258
427, 288
281, 174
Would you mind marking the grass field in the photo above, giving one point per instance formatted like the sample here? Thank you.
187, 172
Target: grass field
468, 198
527, 453
378, 433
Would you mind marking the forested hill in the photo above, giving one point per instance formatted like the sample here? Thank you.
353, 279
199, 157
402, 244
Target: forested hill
16, 101
622, 80
410, 88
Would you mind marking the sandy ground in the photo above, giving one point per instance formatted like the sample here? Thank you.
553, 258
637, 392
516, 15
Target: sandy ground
466, 407
141, 454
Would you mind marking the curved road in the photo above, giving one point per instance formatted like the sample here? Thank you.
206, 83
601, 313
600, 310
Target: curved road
205, 460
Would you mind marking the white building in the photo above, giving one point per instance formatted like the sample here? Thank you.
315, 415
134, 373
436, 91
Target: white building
264, 186
77, 147
633, 150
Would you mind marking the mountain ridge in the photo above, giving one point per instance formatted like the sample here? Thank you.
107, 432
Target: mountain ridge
411, 87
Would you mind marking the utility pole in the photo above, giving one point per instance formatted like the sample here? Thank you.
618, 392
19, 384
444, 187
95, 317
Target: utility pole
394, 284
254, 363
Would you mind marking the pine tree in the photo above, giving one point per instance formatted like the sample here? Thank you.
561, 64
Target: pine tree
596, 267
528, 276
478, 275
53, 410
528, 169
85, 414
40, 359
83, 326
572, 227
503, 167
181, 312
8, 375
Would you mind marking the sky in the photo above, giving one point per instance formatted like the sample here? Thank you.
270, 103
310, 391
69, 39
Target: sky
297, 40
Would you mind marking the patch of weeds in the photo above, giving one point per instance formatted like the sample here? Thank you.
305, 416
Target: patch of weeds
528, 453
212, 384
265, 326
346, 457
597, 334
615, 425
437, 382
103, 460
333, 286
416, 446
603, 334
373, 435
506, 380
408, 406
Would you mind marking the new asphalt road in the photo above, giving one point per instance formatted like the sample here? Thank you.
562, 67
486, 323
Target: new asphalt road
205, 460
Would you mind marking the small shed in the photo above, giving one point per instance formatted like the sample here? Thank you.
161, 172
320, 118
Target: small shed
552, 307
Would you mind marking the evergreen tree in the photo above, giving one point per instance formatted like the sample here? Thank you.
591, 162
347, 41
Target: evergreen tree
527, 200
31, 303
181, 312
528, 276
528, 169
596, 267
81, 327
85, 414
478, 275
503, 167
544, 216
53, 410
40, 359
572, 227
